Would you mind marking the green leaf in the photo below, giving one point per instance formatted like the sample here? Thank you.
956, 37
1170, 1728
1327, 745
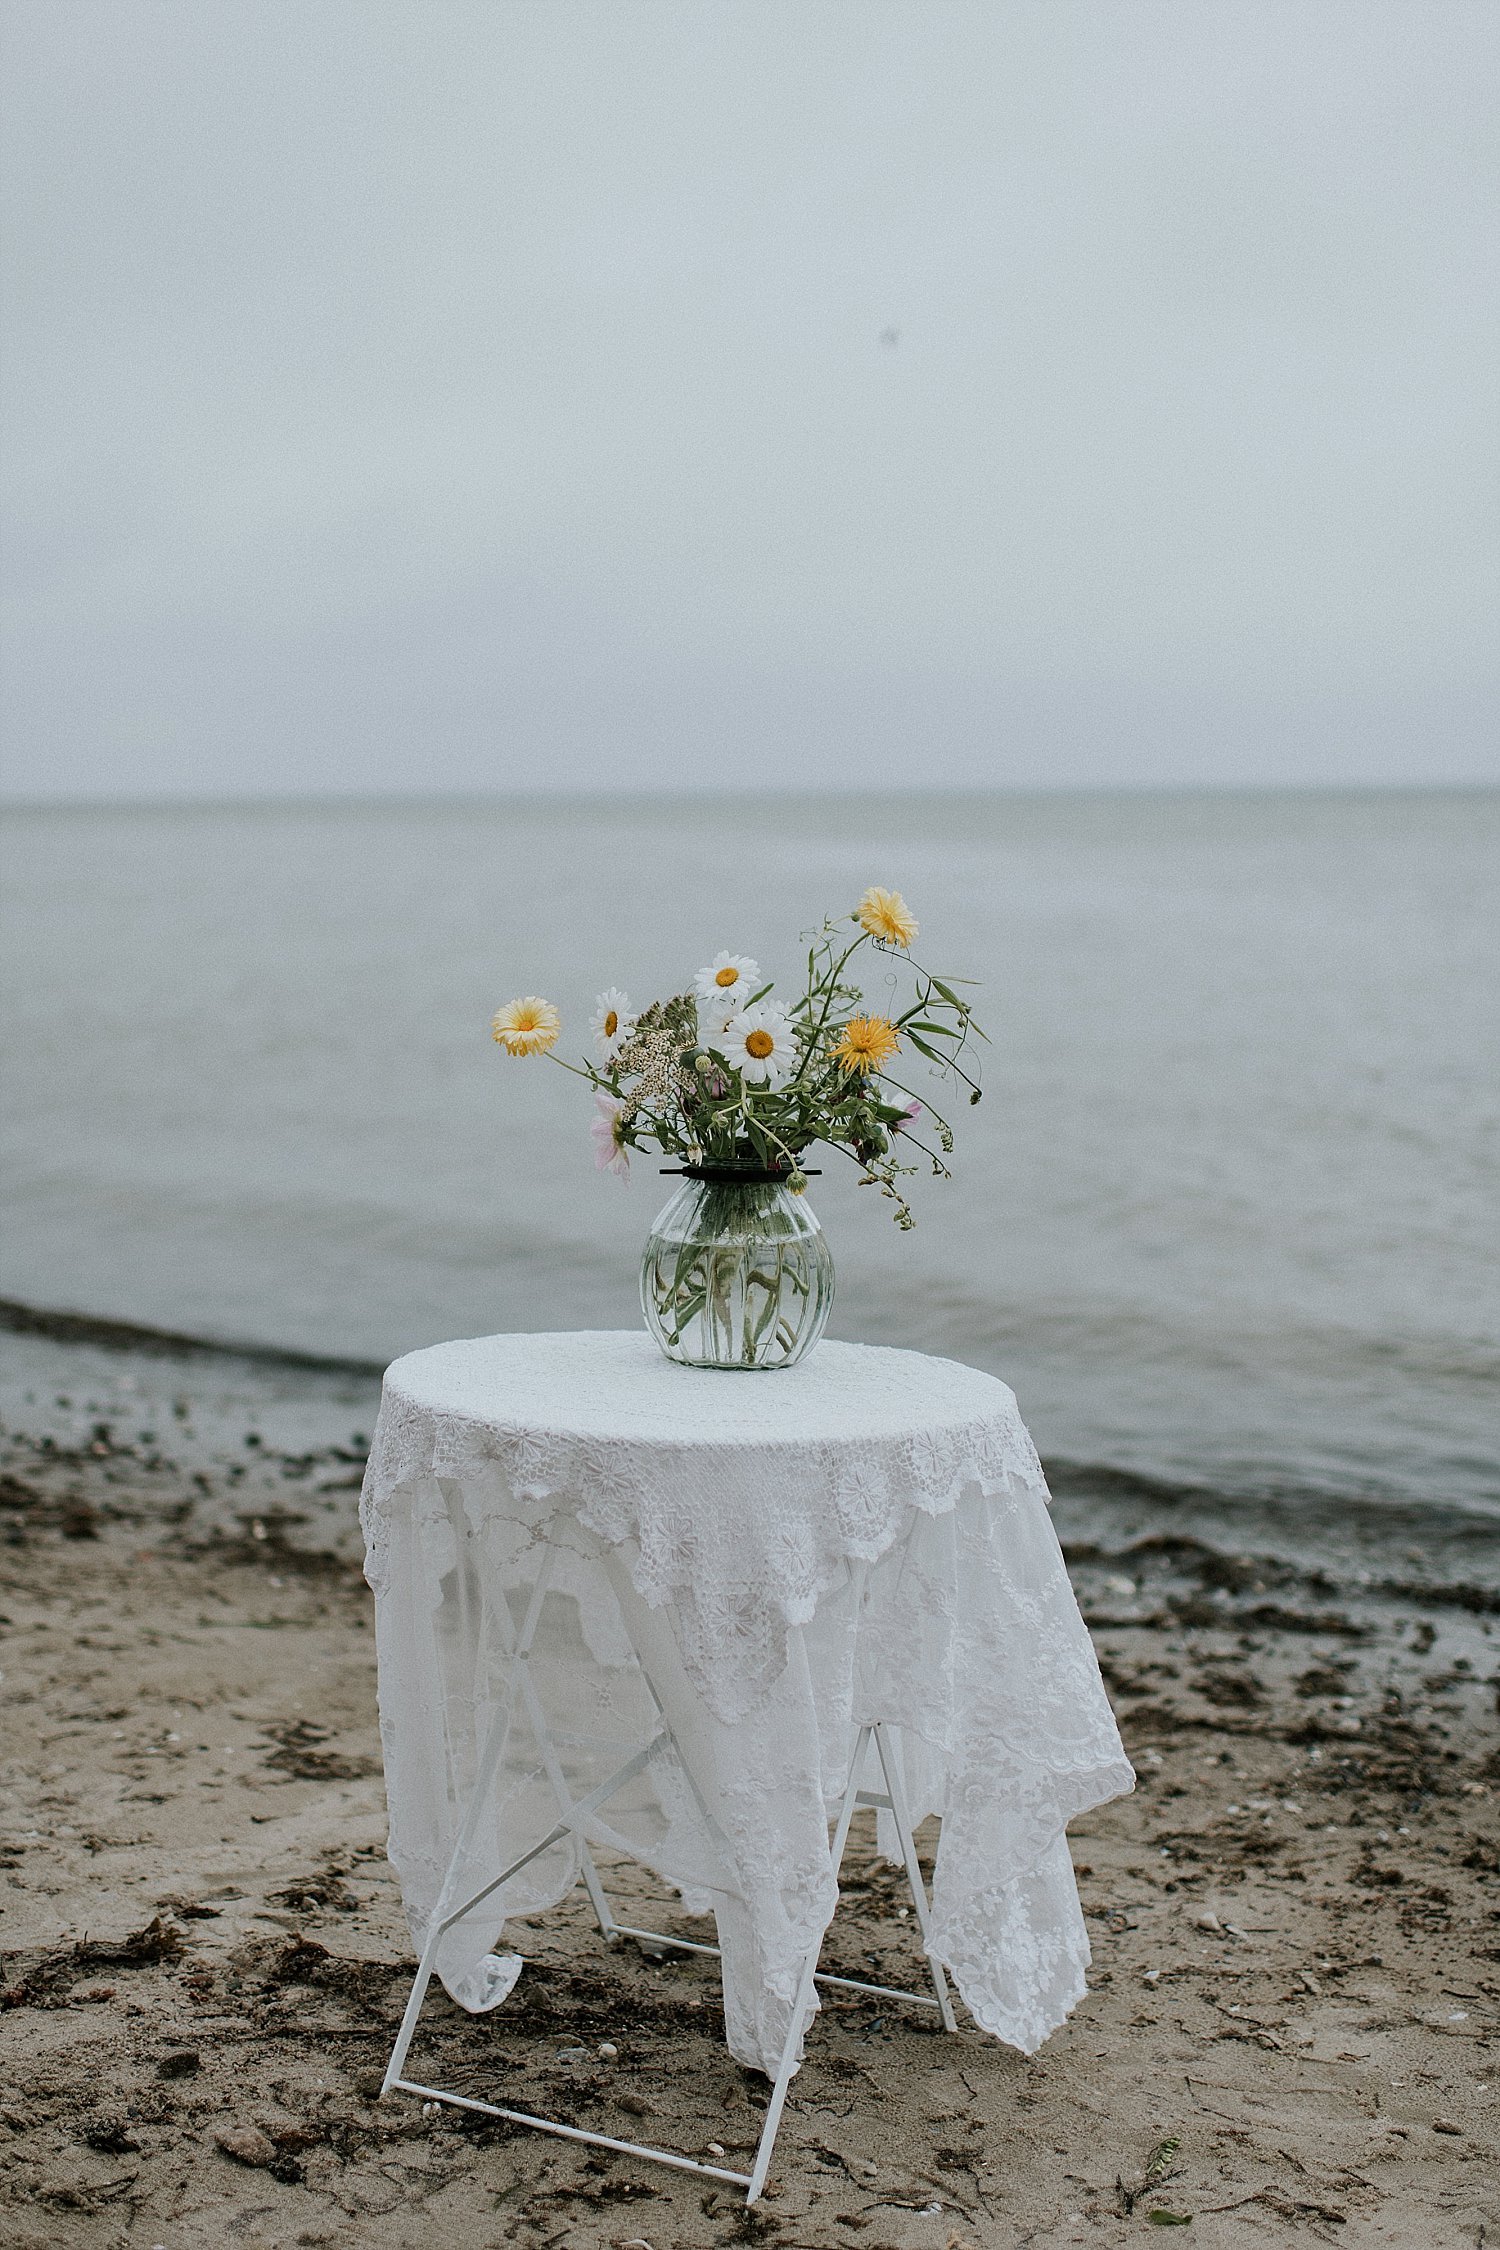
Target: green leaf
1160, 2218
939, 1030
962, 1005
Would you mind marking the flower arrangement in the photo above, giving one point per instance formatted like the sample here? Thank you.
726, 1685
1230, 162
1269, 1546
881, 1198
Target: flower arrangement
727, 1076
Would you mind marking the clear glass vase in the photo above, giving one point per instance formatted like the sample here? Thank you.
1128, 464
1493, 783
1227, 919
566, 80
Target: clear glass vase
737, 1272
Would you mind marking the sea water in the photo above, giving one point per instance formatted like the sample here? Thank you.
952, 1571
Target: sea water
1227, 1217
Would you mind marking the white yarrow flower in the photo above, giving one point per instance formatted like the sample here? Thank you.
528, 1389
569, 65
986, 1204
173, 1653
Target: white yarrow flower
726, 984
760, 1044
611, 1023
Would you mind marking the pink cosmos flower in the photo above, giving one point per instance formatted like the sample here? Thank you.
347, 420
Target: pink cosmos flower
909, 1116
610, 1152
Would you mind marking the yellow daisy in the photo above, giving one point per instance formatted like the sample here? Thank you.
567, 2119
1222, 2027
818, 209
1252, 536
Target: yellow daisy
885, 914
868, 1044
526, 1027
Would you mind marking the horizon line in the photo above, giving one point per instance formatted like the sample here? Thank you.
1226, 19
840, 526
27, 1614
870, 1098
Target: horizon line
566, 793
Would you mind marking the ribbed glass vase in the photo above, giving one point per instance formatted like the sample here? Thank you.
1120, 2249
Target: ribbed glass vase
737, 1272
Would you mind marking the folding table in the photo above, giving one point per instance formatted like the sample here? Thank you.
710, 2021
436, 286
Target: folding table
698, 1617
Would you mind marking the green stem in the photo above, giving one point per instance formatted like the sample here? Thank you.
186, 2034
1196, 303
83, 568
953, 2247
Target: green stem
930, 1107
822, 1022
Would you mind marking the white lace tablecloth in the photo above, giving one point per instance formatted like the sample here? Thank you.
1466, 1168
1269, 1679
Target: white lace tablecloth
704, 1526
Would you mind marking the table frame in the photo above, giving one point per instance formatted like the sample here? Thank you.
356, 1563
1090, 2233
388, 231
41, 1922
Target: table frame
573, 1816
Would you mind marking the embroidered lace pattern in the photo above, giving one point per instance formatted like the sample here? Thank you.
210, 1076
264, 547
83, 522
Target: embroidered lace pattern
702, 1531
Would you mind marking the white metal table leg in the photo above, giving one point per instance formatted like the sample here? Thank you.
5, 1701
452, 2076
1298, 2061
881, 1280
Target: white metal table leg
802, 2007
414, 2001
896, 1791
573, 1812
603, 1913
442, 1923
489, 1763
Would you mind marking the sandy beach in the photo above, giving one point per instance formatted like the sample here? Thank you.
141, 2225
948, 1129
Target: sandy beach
1290, 2031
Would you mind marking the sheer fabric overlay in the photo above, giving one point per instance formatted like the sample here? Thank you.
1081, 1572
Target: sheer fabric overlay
702, 1534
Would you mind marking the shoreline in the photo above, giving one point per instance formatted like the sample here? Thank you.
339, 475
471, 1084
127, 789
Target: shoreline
190, 1421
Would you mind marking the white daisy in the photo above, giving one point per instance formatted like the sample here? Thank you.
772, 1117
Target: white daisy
759, 1043
726, 984
611, 1023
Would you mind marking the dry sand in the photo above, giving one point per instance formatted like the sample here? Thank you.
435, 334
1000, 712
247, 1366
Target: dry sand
1290, 2034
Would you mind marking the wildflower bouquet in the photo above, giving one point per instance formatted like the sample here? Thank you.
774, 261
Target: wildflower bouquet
735, 1081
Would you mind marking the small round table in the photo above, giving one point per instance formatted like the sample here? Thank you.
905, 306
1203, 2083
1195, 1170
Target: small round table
697, 1617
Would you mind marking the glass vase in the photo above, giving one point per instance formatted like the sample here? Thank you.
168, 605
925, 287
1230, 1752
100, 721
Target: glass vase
737, 1272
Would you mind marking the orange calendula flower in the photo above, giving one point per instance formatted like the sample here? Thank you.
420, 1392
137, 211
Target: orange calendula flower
885, 914
526, 1027
868, 1043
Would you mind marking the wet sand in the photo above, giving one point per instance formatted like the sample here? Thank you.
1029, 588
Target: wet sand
1290, 2033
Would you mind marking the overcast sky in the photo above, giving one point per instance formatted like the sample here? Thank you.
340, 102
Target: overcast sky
436, 396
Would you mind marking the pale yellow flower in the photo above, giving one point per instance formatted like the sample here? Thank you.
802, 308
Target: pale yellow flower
885, 914
526, 1027
868, 1044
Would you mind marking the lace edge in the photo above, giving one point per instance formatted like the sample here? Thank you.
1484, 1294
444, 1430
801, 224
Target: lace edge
1027, 2029
1012, 1480
1018, 1476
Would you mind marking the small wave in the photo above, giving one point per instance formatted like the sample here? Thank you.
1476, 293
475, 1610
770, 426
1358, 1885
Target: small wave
1330, 1540
167, 1343
1273, 1492
1100, 1480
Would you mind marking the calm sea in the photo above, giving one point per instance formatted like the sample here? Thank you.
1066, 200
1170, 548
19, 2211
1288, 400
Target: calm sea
1228, 1218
